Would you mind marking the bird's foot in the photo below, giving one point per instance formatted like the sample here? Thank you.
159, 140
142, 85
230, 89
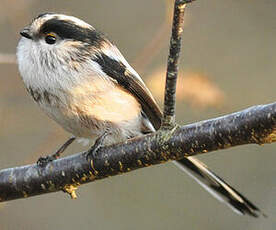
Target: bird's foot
43, 161
97, 145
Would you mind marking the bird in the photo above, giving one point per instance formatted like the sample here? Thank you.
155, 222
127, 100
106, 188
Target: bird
80, 79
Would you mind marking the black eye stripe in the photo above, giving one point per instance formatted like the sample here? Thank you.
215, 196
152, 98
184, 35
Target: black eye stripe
69, 30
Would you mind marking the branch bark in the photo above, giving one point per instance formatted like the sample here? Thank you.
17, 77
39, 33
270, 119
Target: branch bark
172, 66
168, 120
256, 125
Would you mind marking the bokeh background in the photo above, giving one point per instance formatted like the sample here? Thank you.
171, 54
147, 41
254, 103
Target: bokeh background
227, 64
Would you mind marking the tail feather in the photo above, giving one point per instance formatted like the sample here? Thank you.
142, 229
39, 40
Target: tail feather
218, 187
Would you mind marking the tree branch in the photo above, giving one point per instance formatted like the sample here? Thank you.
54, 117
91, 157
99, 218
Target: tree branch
254, 125
7, 58
172, 66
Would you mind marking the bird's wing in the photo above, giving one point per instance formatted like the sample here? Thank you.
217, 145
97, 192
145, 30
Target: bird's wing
126, 77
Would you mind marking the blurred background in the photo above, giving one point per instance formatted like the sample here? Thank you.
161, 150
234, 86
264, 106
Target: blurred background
227, 64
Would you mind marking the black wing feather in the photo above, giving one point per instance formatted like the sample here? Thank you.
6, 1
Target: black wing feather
119, 72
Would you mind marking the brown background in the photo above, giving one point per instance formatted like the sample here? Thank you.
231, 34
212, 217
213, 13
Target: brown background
232, 42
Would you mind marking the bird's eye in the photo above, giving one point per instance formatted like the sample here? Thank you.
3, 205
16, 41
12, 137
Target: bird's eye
50, 39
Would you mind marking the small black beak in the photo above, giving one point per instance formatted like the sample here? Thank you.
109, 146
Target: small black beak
26, 33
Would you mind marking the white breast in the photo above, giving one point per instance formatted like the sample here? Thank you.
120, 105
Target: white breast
85, 104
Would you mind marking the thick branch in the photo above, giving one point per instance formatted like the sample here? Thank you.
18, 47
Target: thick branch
254, 125
172, 68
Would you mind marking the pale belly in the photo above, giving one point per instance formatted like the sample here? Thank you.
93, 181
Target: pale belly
88, 112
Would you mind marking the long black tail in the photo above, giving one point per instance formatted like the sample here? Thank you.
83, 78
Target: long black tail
218, 187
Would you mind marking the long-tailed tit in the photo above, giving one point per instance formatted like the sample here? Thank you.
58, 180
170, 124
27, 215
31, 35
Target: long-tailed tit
82, 81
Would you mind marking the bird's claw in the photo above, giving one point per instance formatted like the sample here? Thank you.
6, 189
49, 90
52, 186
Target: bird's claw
43, 161
98, 144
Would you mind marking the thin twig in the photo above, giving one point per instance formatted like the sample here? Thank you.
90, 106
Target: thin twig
7, 58
254, 125
172, 68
